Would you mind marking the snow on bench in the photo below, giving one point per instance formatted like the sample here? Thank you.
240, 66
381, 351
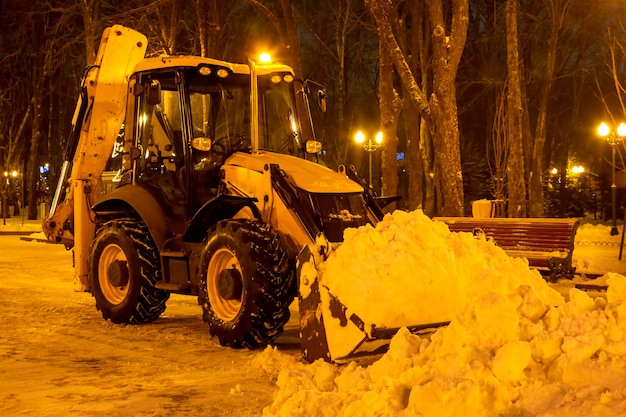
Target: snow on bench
548, 244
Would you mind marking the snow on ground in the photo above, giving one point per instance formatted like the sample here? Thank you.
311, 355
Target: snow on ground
589, 239
19, 224
59, 358
517, 349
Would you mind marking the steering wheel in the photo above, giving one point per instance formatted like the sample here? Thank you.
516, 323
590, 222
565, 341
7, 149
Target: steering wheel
219, 145
230, 143
287, 144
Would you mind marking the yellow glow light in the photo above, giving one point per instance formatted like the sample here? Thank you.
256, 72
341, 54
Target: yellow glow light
359, 137
292, 121
265, 58
379, 137
603, 129
204, 70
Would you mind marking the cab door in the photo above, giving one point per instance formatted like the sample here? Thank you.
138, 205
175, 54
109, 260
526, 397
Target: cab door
161, 165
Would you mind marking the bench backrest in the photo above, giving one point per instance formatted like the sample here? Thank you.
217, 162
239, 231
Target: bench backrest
534, 234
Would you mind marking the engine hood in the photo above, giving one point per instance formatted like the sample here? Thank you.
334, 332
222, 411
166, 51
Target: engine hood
307, 175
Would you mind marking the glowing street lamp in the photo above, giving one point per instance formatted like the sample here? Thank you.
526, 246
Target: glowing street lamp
578, 169
5, 192
370, 145
613, 139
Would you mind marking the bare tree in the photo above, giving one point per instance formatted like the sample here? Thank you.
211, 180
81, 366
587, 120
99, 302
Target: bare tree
535, 182
390, 106
498, 152
210, 27
439, 110
337, 51
515, 164
168, 25
421, 187
89, 10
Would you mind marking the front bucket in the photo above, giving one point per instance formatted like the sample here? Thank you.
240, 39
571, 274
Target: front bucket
327, 330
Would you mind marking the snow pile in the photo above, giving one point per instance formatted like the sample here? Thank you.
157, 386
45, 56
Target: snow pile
589, 234
514, 350
414, 271
589, 238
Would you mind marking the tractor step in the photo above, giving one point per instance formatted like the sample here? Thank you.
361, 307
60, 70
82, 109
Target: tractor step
176, 271
174, 253
172, 286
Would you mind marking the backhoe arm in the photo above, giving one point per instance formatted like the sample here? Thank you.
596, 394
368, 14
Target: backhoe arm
97, 119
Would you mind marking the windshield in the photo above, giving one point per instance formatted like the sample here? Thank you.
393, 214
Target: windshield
220, 112
279, 129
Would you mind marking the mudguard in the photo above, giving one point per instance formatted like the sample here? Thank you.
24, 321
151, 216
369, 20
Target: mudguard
139, 200
221, 207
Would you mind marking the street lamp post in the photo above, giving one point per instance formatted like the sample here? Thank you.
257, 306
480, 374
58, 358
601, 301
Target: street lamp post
5, 189
370, 145
3, 202
613, 139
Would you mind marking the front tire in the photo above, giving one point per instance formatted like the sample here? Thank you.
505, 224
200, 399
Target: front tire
123, 268
246, 284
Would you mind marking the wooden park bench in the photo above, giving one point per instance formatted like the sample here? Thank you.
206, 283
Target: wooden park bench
548, 244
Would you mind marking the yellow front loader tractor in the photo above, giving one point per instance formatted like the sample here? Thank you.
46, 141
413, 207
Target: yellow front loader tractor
195, 176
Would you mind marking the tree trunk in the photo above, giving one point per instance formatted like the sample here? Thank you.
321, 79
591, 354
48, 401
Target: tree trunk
409, 85
202, 24
389, 158
293, 49
89, 9
418, 159
341, 28
430, 202
440, 112
32, 166
390, 105
422, 45
515, 165
535, 182
291, 36
414, 159
168, 26
444, 128
527, 134
447, 51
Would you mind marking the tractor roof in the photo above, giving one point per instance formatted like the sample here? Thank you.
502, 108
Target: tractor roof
181, 61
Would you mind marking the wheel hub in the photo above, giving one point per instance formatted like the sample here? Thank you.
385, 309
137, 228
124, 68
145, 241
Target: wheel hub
229, 284
118, 273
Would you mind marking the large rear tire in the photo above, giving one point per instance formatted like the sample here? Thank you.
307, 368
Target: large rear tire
246, 284
123, 268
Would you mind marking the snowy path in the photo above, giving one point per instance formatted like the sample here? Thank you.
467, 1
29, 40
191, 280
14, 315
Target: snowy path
58, 357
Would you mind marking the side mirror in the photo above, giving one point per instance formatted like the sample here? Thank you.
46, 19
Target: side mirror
153, 92
135, 153
321, 98
313, 146
202, 144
